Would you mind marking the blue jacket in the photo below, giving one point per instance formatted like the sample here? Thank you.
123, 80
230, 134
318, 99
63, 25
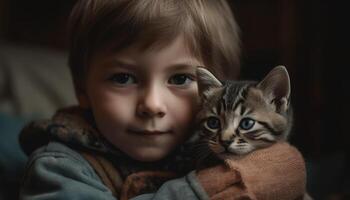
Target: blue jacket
57, 170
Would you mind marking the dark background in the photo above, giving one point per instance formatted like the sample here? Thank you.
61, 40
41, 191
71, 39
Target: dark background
307, 36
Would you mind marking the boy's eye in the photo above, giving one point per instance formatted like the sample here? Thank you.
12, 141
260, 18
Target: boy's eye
180, 79
123, 78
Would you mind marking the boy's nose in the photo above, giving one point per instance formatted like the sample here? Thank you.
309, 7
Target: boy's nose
151, 104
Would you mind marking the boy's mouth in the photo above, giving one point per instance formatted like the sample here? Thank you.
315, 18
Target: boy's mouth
148, 132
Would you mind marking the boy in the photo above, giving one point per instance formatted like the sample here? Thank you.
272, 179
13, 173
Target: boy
133, 64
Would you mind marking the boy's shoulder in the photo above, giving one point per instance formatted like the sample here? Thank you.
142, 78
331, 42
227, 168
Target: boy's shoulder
58, 158
59, 168
57, 150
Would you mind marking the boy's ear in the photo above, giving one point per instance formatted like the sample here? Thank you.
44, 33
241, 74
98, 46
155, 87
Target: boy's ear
276, 87
206, 82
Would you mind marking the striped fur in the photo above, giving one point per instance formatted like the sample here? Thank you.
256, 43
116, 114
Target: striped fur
251, 115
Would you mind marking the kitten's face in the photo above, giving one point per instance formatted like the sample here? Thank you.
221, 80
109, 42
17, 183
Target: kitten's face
239, 117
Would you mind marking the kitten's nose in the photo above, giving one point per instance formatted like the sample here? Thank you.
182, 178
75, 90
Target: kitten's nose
225, 143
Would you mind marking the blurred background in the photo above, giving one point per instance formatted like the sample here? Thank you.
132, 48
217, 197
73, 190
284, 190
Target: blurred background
308, 37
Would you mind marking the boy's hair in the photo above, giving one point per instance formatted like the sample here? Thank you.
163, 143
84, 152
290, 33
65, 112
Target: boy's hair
208, 27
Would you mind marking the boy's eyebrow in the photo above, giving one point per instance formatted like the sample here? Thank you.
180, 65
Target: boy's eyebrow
181, 66
173, 67
186, 64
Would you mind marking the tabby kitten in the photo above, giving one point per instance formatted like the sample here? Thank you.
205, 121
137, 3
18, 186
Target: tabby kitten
238, 117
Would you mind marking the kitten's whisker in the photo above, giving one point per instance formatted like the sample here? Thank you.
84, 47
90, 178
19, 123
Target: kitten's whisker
201, 150
201, 156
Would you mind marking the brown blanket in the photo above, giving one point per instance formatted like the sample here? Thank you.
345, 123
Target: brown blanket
274, 173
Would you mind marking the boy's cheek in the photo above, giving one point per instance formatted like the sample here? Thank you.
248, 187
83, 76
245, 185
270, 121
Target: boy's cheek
83, 101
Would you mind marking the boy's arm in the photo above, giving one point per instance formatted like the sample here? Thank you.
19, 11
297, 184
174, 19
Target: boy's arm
276, 172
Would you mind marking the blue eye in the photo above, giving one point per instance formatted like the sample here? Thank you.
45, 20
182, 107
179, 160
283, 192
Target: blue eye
246, 123
180, 79
213, 123
123, 78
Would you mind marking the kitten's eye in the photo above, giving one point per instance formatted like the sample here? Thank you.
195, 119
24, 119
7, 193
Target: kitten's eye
246, 123
180, 79
213, 123
123, 78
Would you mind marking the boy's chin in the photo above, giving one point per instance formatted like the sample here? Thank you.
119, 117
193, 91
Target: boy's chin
148, 155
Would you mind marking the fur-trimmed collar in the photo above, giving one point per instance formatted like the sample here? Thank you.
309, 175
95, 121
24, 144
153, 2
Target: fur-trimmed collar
75, 127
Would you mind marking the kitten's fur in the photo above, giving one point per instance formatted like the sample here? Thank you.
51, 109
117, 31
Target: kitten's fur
238, 117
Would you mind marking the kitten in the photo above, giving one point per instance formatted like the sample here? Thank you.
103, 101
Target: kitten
238, 117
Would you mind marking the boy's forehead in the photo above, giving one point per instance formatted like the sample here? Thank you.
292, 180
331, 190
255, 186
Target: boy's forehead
149, 45
177, 49
175, 56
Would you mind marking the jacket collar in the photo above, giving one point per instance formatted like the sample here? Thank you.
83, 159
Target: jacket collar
75, 127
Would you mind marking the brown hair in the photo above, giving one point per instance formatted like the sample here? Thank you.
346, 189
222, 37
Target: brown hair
208, 27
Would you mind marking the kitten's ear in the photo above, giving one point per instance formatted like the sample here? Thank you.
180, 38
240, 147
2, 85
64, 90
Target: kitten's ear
206, 81
276, 87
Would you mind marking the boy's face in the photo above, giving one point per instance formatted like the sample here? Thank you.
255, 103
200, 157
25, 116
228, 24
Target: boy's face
143, 101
